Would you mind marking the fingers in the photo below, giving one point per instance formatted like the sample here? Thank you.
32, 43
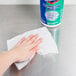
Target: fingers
30, 37
35, 44
33, 39
35, 49
21, 41
38, 42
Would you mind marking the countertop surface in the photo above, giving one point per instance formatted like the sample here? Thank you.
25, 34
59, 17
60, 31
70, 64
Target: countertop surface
15, 20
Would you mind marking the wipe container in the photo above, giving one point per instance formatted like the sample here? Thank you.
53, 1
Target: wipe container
51, 12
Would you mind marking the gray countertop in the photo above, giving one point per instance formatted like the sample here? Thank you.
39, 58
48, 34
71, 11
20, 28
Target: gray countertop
15, 20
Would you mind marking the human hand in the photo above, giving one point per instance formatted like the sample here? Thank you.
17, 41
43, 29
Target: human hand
26, 48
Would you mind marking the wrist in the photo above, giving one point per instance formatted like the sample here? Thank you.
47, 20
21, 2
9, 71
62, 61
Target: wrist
12, 56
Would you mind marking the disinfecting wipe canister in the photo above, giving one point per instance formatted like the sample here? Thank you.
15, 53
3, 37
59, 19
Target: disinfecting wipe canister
51, 12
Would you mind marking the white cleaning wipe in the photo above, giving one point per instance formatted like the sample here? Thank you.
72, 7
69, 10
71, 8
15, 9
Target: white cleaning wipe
48, 45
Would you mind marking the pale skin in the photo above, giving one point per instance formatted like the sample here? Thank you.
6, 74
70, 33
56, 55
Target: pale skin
23, 50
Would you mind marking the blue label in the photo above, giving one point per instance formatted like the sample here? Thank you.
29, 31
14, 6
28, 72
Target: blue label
43, 10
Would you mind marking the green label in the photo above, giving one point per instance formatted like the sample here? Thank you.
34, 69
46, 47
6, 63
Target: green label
54, 12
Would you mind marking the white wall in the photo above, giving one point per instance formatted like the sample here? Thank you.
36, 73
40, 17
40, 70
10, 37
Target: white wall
31, 1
